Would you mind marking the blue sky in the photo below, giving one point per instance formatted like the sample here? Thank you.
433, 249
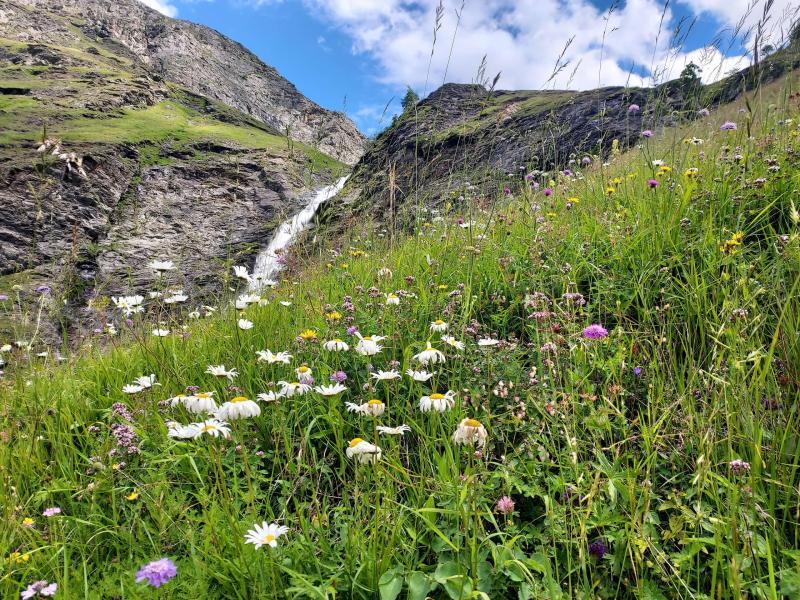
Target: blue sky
359, 55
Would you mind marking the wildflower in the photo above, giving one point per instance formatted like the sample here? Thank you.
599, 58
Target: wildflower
336, 345
330, 390
304, 372
245, 300
430, 355
242, 273
399, 430
221, 371
132, 496
363, 451
438, 326
728, 126
266, 534
157, 573
739, 466
505, 505
51, 512
160, 332
610, 190
238, 408
162, 266
140, 384
471, 432
451, 341
308, 334
637, 371
18, 557
269, 396
333, 316
731, 246
547, 191
653, 183
385, 272
419, 375
437, 402
293, 389
597, 549
338, 377
392, 300
268, 357
200, 402
176, 298
385, 375
27, 523
633, 109
691, 173
703, 112
351, 331
212, 427
647, 133
595, 332
368, 345
373, 408
244, 324
486, 342
39, 588
129, 304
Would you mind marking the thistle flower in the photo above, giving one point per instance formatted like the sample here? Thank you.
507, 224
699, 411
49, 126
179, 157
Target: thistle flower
728, 126
157, 573
266, 534
363, 452
597, 549
505, 505
647, 133
470, 432
653, 183
338, 377
633, 109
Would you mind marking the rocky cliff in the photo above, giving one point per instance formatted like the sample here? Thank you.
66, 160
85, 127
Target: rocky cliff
135, 165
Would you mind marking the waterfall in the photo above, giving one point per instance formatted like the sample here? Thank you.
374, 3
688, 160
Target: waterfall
267, 264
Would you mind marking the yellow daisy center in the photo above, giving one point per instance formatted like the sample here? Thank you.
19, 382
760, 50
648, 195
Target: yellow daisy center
203, 395
239, 399
437, 396
438, 322
303, 369
472, 423
375, 402
268, 538
355, 442
208, 428
367, 338
337, 341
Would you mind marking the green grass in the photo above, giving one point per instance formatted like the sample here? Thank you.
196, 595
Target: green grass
626, 440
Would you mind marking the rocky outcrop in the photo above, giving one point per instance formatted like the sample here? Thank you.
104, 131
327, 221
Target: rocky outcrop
197, 57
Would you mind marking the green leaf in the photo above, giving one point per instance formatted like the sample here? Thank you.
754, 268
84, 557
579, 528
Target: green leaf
419, 584
390, 583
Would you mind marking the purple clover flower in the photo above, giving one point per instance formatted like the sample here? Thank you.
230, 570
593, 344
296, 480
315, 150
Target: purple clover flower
595, 332
505, 505
647, 133
598, 549
633, 109
157, 573
728, 126
352, 330
51, 512
338, 377
653, 183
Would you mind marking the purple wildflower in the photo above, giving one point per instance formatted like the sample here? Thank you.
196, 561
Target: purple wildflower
39, 588
633, 109
703, 112
505, 505
352, 330
647, 133
507, 191
51, 512
637, 371
653, 183
728, 126
3, 297
43, 289
586, 161
339, 377
598, 549
121, 410
157, 573
547, 191
595, 332
738, 466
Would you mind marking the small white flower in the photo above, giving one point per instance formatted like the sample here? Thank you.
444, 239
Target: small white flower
368, 345
5, 348
385, 375
392, 299
245, 300
470, 432
437, 402
161, 266
439, 326
212, 427
200, 403
221, 371
285, 303
451, 341
268, 357
372, 408
399, 430
244, 324
430, 356
176, 298
304, 372
161, 332
242, 273
486, 342
266, 534
363, 451
293, 389
238, 408
385, 272
336, 345
269, 396
129, 304
330, 390
419, 375
181, 432
132, 388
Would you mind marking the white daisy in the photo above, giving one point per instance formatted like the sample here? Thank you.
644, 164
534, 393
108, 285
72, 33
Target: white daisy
430, 356
181, 432
285, 303
439, 326
330, 390
368, 345
385, 272
336, 345
238, 408
372, 408
470, 432
161, 266
392, 299
293, 389
5, 348
200, 403
304, 372
266, 534
221, 371
242, 273
212, 427
161, 332
399, 430
244, 324
176, 298
486, 342
385, 375
450, 340
132, 388
129, 304
363, 451
419, 375
245, 300
268, 357
437, 402
269, 396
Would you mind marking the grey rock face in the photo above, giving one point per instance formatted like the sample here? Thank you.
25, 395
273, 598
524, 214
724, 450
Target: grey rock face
197, 57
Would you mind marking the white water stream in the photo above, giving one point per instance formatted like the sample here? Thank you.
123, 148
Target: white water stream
267, 263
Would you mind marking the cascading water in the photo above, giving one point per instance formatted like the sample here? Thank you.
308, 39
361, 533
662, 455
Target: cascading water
267, 263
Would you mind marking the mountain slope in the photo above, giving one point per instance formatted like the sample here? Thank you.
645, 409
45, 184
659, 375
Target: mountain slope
197, 57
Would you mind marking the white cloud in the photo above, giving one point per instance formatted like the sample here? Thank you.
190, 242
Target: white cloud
743, 16
524, 38
162, 6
